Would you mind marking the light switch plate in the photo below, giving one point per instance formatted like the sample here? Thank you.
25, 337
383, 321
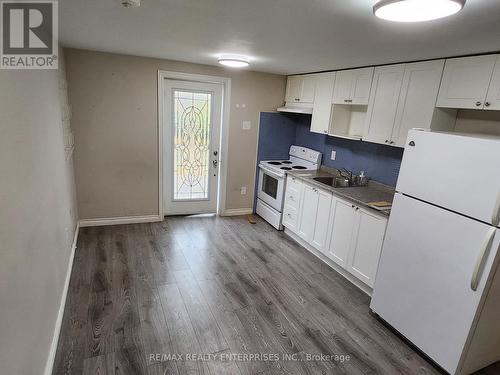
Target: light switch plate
333, 155
246, 125
243, 190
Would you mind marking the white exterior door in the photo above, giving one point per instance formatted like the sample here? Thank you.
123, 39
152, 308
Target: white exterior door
423, 285
465, 82
308, 212
493, 98
192, 144
417, 100
367, 245
383, 103
342, 222
322, 220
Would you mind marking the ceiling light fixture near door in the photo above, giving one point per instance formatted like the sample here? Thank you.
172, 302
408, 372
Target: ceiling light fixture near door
234, 62
416, 10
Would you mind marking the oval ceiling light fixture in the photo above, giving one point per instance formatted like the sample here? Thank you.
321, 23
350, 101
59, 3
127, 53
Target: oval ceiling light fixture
416, 10
234, 61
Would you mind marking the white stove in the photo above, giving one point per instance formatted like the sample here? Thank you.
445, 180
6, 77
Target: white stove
272, 176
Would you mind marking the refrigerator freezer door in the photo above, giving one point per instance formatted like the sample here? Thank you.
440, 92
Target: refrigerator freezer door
423, 286
459, 173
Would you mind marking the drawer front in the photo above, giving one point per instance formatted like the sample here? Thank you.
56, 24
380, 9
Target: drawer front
293, 183
293, 192
292, 198
290, 217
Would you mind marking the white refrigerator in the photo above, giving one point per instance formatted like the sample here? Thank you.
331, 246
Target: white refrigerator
438, 281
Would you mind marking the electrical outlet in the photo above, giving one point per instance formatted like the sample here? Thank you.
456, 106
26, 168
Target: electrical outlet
333, 155
243, 190
246, 125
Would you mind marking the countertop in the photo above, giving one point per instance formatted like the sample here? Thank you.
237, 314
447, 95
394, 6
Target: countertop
360, 195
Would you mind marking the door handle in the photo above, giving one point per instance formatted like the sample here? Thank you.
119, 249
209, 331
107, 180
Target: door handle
481, 259
496, 211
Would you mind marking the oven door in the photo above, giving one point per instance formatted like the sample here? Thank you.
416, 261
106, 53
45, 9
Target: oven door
271, 188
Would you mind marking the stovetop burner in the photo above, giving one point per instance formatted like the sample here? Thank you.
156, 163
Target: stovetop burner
286, 168
299, 167
274, 162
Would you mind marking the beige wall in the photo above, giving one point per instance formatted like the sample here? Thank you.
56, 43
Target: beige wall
37, 217
114, 102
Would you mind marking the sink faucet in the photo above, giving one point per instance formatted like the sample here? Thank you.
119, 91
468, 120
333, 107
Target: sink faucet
349, 175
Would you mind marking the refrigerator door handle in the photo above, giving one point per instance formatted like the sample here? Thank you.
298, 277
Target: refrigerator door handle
481, 260
496, 211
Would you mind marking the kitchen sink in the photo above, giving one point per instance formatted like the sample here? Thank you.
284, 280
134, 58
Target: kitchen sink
336, 182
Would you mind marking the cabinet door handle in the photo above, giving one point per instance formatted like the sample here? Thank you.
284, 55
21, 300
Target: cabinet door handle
481, 259
391, 142
386, 141
496, 211
478, 104
487, 104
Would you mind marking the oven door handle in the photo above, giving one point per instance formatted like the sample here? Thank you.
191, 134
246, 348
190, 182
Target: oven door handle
271, 173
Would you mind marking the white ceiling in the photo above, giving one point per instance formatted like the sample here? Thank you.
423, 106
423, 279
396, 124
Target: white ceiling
280, 36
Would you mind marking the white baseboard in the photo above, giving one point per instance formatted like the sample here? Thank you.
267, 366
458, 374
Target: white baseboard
119, 220
57, 329
352, 279
237, 211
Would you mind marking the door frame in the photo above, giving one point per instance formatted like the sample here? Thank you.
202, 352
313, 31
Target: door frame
224, 131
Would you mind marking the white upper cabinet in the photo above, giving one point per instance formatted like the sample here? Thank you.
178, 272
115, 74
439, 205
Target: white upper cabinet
293, 88
322, 106
353, 86
308, 88
300, 89
466, 81
493, 98
383, 104
417, 99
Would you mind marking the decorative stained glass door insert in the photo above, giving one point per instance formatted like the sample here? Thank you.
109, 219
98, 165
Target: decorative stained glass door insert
192, 123
192, 117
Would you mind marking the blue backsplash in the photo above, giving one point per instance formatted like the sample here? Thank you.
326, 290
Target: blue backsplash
278, 131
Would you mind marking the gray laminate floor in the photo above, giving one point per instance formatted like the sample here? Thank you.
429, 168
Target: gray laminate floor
221, 286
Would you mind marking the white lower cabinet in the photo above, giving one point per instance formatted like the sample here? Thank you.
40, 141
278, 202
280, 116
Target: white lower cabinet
342, 219
349, 235
320, 233
292, 206
314, 215
364, 254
